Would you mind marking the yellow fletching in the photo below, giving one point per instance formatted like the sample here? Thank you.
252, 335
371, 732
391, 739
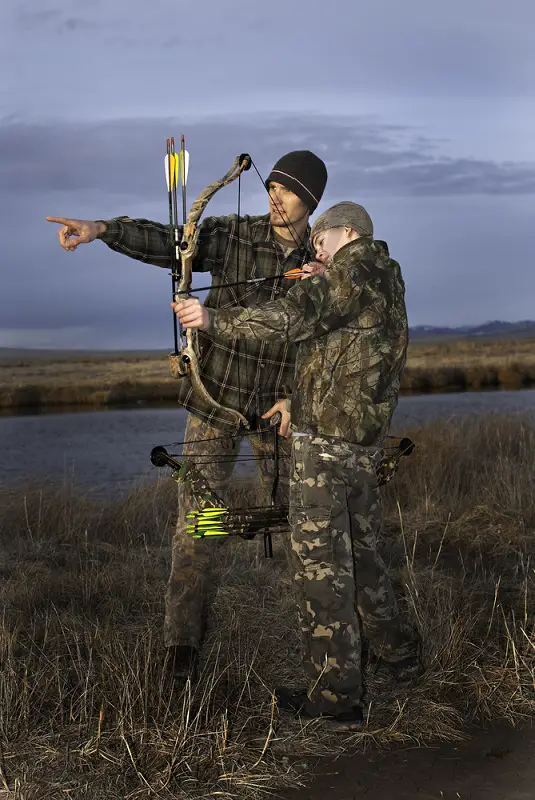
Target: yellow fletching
174, 169
207, 525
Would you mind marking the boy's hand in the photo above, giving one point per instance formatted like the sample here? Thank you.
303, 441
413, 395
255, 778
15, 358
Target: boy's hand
313, 268
192, 313
282, 408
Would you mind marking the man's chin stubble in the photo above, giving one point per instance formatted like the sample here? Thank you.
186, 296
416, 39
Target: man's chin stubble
279, 222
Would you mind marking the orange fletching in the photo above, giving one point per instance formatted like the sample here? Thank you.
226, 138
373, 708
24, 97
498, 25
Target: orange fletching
293, 274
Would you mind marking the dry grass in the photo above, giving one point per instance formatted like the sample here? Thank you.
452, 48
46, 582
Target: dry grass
470, 364
107, 380
87, 709
88, 380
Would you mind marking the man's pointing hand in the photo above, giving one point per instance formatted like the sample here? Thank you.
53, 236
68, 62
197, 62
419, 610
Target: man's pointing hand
77, 231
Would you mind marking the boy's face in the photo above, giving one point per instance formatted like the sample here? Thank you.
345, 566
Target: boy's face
327, 243
285, 207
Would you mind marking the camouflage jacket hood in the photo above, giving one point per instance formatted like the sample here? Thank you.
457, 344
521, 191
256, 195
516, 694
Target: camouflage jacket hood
351, 326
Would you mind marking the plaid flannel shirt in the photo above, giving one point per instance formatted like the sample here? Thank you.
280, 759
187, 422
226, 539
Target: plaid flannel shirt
247, 376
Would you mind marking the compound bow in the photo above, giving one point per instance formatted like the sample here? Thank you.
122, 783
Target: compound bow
213, 518
183, 363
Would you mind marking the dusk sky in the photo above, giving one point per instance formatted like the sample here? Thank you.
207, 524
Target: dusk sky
424, 112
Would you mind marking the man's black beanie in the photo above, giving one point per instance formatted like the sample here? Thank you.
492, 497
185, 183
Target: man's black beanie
302, 173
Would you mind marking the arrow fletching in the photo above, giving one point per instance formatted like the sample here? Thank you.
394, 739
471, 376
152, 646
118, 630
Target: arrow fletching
171, 171
293, 274
167, 172
183, 166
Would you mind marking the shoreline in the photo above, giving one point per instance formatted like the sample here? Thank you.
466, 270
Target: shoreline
84, 399
117, 380
168, 400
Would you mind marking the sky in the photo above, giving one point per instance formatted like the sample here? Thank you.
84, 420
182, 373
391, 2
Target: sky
423, 112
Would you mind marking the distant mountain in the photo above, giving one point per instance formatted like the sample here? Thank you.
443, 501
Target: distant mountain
495, 328
498, 328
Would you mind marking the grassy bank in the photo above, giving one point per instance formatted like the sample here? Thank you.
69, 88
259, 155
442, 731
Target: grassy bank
97, 380
129, 378
87, 708
469, 364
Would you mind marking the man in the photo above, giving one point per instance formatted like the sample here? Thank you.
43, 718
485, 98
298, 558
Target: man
247, 378
351, 326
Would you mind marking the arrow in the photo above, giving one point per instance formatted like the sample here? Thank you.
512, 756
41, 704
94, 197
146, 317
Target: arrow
220, 521
183, 168
291, 275
171, 179
183, 165
171, 169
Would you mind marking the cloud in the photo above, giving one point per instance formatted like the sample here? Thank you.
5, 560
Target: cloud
458, 226
414, 46
126, 156
418, 110
28, 18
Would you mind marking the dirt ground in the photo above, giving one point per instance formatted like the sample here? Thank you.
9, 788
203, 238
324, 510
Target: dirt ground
497, 764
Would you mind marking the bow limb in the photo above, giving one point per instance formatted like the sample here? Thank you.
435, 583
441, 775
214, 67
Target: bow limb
186, 363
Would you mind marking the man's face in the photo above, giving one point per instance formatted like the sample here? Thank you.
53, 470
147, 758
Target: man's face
327, 243
285, 207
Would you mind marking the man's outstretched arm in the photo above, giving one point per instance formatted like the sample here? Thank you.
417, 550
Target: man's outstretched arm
141, 239
149, 241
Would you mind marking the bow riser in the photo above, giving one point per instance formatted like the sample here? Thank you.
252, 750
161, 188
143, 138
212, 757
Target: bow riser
185, 364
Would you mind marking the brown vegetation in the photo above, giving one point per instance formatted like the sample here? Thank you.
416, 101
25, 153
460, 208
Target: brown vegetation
88, 711
469, 364
100, 380
97, 380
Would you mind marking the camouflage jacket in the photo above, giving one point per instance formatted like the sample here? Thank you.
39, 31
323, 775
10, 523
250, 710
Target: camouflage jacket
351, 326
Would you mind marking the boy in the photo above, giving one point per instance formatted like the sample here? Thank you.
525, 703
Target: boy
351, 326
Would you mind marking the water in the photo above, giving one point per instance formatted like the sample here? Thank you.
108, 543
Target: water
109, 450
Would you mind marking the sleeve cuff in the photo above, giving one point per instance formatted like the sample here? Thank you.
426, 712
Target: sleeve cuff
113, 230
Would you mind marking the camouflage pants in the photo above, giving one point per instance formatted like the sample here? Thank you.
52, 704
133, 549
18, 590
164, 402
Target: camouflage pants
190, 577
343, 589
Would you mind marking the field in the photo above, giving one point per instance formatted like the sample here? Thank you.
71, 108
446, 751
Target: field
472, 363
88, 710
31, 380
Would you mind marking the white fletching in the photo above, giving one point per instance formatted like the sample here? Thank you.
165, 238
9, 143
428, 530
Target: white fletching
183, 169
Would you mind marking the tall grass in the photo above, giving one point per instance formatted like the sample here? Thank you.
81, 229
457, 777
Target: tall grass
88, 708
